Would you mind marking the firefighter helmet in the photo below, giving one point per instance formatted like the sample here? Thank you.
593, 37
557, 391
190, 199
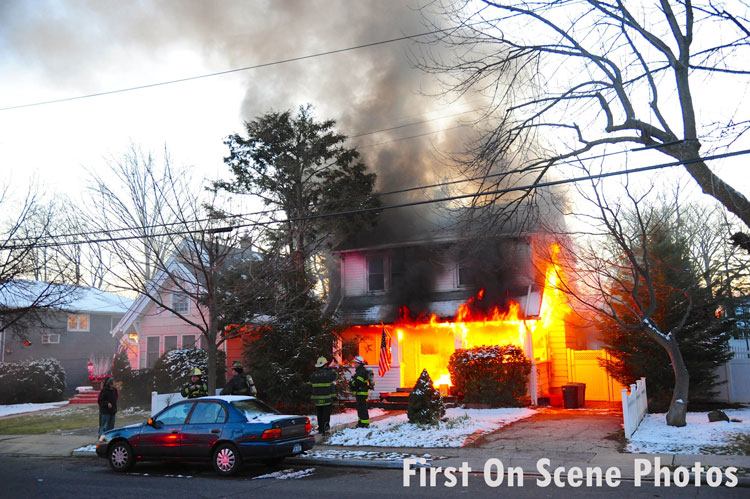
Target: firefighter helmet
359, 360
197, 372
237, 366
321, 362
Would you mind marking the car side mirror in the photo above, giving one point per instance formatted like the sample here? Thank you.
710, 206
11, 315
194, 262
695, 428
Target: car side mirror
154, 423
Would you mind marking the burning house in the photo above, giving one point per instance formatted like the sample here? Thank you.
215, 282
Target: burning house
434, 295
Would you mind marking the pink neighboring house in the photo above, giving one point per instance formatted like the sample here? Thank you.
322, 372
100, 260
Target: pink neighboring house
147, 330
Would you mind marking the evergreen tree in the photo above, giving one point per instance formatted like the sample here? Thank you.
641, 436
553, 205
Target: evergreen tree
701, 339
301, 170
425, 403
281, 355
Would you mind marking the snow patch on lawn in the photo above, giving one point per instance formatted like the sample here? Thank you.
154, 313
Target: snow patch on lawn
86, 449
655, 437
289, 474
346, 417
396, 431
9, 410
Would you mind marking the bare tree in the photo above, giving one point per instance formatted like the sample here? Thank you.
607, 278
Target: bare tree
22, 300
570, 77
614, 272
177, 244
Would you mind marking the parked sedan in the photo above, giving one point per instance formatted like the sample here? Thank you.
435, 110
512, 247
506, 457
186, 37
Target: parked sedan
225, 430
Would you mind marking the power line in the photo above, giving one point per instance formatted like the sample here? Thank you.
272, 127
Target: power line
375, 194
220, 73
400, 205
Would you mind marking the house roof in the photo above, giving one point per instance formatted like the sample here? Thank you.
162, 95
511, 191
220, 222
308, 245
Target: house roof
374, 309
22, 293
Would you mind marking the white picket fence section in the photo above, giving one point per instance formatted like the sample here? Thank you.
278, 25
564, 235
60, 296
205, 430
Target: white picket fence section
634, 406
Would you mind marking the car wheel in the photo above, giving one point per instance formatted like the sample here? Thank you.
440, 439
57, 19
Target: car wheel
273, 461
226, 459
121, 456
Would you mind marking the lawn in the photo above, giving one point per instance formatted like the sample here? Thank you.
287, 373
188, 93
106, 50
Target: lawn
67, 418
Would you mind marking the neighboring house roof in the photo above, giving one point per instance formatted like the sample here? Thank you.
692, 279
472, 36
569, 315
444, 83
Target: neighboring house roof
174, 267
157, 282
22, 294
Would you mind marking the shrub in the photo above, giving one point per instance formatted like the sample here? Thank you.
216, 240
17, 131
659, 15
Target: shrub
134, 386
425, 403
31, 381
172, 370
494, 375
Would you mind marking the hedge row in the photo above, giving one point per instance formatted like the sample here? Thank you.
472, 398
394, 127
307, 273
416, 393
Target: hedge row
31, 381
494, 375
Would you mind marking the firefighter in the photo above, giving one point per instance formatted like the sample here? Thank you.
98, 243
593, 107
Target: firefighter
196, 388
323, 393
362, 381
240, 384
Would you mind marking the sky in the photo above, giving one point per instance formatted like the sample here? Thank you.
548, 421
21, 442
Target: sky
54, 49
59, 49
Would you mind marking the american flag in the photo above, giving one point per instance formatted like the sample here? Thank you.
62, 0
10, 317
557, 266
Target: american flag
385, 354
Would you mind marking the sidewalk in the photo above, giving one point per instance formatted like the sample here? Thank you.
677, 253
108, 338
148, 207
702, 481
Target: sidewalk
567, 438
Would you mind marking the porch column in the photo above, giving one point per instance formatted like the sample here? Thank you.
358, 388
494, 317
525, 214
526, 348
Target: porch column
528, 350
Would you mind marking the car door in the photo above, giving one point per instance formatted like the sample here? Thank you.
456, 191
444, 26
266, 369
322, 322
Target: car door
201, 431
161, 439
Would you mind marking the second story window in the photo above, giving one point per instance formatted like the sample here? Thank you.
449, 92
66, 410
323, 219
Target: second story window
78, 322
180, 303
375, 273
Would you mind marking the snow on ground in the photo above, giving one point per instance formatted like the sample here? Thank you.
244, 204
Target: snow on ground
348, 416
8, 410
361, 455
287, 474
396, 431
655, 437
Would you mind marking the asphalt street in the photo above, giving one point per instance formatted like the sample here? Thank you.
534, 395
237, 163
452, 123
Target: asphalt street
35, 477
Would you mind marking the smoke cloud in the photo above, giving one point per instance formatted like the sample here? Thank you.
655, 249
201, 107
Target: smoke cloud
73, 43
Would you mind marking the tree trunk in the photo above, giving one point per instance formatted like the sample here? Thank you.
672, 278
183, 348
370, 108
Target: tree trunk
678, 404
211, 367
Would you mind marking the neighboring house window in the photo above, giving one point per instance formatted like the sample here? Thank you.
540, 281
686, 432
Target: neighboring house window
180, 303
375, 273
78, 322
188, 341
50, 338
152, 350
170, 343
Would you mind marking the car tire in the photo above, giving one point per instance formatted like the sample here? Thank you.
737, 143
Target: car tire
226, 460
273, 461
120, 456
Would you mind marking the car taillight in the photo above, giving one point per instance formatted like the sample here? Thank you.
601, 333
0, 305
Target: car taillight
308, 426
271, 434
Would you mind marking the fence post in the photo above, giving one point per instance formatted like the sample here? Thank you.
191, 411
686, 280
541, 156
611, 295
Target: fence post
625, 416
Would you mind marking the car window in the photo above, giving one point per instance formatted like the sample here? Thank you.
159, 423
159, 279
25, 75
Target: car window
253, 407
208, 412
177, 414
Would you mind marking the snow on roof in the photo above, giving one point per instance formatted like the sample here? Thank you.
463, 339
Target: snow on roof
20, 293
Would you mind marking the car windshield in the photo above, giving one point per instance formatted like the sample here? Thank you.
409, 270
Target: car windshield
252, 408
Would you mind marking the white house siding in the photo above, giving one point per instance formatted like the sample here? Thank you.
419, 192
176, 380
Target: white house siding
353, 274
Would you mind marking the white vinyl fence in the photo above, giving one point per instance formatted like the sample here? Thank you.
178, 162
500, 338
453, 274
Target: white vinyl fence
734, 374
634, 406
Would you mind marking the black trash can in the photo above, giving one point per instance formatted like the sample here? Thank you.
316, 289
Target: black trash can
581, 394
570, 396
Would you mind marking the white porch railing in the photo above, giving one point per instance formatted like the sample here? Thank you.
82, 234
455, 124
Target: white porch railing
634, 406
